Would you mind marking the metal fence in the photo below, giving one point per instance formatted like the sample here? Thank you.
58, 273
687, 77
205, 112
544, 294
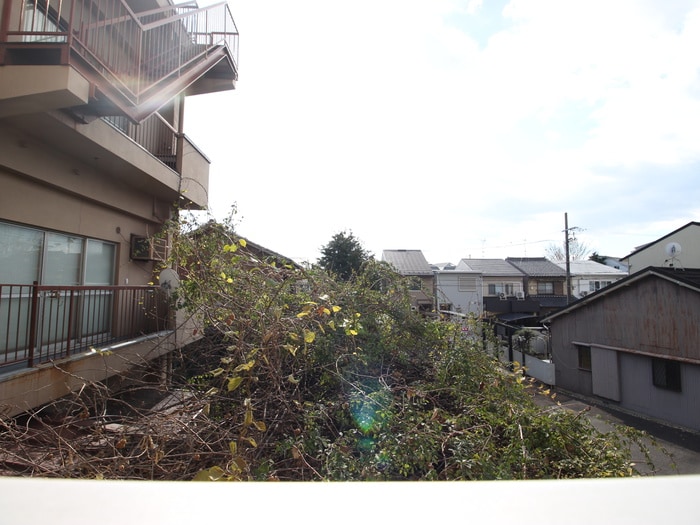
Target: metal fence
40, 323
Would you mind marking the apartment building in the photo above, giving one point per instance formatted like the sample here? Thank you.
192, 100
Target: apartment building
94, 160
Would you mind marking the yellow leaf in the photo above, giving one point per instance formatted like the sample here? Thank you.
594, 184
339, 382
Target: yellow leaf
229, 280
242, 242
223, 275
302, 314
245, 366
252, 442
248, 419
217, 372
291, 349
211, 474
294, 337
233, 447
309, 336
260, 425
234, 383
331, 324
326, 311
291, 379
336, 309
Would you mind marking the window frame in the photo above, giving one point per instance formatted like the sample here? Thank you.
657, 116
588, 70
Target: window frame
584, 358
545, 288
666, 374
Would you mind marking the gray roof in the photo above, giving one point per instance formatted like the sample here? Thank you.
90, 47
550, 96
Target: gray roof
589, 267
407, 262
489, 267
689, 278
537, 266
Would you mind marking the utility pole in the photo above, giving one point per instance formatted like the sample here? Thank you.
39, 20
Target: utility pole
568, 264
568, 239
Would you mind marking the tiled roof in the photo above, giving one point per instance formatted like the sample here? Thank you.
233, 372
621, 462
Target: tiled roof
489, 267
537, 267
407, 262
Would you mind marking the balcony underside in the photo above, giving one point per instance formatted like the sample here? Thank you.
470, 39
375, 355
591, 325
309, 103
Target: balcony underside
41, 78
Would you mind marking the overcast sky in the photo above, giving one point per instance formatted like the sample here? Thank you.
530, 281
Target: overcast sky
457, 127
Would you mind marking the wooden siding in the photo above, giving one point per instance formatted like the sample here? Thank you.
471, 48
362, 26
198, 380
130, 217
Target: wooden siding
649, 318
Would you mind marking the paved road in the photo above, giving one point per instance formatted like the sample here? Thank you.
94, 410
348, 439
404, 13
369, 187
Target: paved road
676, 451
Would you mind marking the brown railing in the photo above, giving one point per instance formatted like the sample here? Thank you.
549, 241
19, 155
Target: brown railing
133, 51
154, 134
40, 323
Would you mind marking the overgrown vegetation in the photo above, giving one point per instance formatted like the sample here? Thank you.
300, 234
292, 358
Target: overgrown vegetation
302, 377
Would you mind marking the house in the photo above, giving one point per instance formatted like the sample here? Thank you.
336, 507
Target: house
634, 344
678, 249
413, 264
589, 276
459, 292
502, 290
614, 262
544, 282
93, 162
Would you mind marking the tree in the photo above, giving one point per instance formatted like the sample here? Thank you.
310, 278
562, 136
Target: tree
577, 251
343, 256
596, 257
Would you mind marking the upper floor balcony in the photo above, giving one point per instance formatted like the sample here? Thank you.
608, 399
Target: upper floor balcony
76, 73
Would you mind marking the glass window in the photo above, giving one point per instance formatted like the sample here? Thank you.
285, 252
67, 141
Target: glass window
545, 288
99, 263
666, 374
584, 357
62, 265
20, 254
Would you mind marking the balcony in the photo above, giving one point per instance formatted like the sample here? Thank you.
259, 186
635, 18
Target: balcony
42, 324
76, 72
128, 63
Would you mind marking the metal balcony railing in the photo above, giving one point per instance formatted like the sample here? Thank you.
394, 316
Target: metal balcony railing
40, 323
133, 52
155, 135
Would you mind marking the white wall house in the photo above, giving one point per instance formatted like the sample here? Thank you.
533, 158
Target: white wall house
589, 276
459, 291
678, 249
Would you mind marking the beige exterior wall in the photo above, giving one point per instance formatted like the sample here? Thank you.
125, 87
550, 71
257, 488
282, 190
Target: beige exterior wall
655, 254
517, 284
48, 189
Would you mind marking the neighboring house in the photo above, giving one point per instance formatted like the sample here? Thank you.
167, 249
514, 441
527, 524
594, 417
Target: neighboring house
678, 249
93, 162
545, 282
634, 344
502, 289
459, 291
499, 279
590, 276
616, 263
412, 264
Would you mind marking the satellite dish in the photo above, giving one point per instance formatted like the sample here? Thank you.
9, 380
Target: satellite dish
673, 249
169, 280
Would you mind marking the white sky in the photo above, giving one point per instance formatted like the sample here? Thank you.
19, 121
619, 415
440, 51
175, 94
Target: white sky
457, 127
